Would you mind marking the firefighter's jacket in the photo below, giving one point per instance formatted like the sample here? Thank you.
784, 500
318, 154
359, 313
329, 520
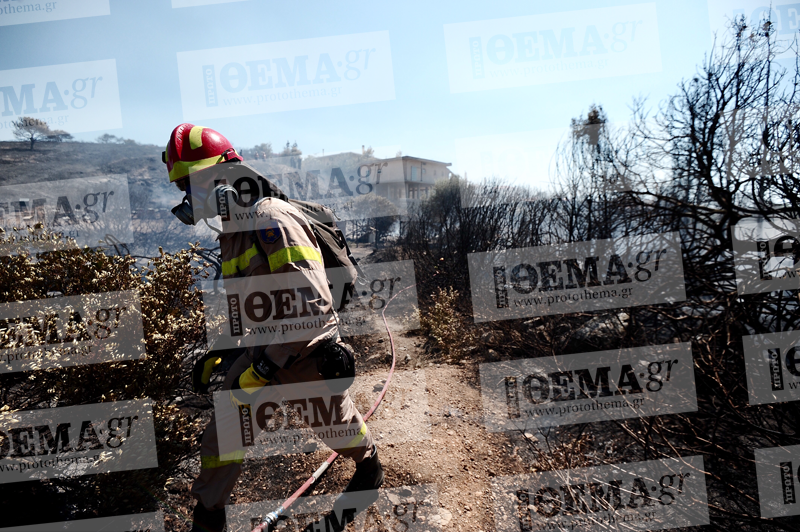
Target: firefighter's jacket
278, 272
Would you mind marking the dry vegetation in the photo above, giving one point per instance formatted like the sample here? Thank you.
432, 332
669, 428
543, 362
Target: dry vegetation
173, 329
722, 149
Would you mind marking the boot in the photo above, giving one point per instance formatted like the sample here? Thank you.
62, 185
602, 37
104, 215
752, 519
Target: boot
360, 493
369, 474
207, 520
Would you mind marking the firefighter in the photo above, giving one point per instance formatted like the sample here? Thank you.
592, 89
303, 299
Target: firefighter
283, 243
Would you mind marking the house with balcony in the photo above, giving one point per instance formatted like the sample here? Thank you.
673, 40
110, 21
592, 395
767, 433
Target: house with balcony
404, 180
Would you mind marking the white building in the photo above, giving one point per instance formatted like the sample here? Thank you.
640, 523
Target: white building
401, 180
405, 179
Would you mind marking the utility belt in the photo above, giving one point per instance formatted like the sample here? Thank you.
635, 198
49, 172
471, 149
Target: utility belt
336, 363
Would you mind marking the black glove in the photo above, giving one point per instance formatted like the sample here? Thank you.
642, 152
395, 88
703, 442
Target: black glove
203, 368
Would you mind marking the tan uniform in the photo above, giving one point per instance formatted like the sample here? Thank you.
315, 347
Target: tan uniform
288, 245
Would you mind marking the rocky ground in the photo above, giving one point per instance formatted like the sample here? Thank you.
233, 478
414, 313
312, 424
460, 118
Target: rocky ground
458, 455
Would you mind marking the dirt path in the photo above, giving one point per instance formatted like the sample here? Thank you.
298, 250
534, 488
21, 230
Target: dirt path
460, 456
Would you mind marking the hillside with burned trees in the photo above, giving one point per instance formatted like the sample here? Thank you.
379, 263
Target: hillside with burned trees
720, 152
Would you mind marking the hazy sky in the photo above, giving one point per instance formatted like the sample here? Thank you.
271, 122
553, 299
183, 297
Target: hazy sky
441, 72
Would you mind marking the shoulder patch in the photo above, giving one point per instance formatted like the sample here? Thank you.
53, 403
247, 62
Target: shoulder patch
270, 235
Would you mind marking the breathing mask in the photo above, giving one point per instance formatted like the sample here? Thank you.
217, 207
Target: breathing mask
183, 211
197, 200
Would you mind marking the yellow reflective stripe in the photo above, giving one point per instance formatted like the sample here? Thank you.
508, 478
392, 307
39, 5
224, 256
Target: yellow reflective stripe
196, 137
212, 462
249, 379
292, 254
360, 436
231, 267
184, 168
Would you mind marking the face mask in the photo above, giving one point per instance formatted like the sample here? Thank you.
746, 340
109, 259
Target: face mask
185, 211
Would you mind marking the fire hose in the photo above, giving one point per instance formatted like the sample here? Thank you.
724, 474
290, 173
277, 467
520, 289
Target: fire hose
272, 518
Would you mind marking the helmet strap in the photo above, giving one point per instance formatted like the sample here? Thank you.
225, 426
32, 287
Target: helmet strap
218, 231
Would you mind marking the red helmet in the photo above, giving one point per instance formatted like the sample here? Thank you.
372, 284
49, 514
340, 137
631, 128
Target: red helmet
193, 148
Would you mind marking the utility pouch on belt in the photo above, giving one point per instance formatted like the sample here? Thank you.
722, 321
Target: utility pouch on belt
337, 364
265, 367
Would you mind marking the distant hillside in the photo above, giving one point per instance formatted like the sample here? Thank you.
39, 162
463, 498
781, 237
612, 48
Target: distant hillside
49, 161
151, 194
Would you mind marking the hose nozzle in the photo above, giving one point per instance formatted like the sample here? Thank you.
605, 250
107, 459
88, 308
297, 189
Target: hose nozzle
269, 521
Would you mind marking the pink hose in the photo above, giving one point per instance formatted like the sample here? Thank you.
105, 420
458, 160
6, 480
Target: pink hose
272, 517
